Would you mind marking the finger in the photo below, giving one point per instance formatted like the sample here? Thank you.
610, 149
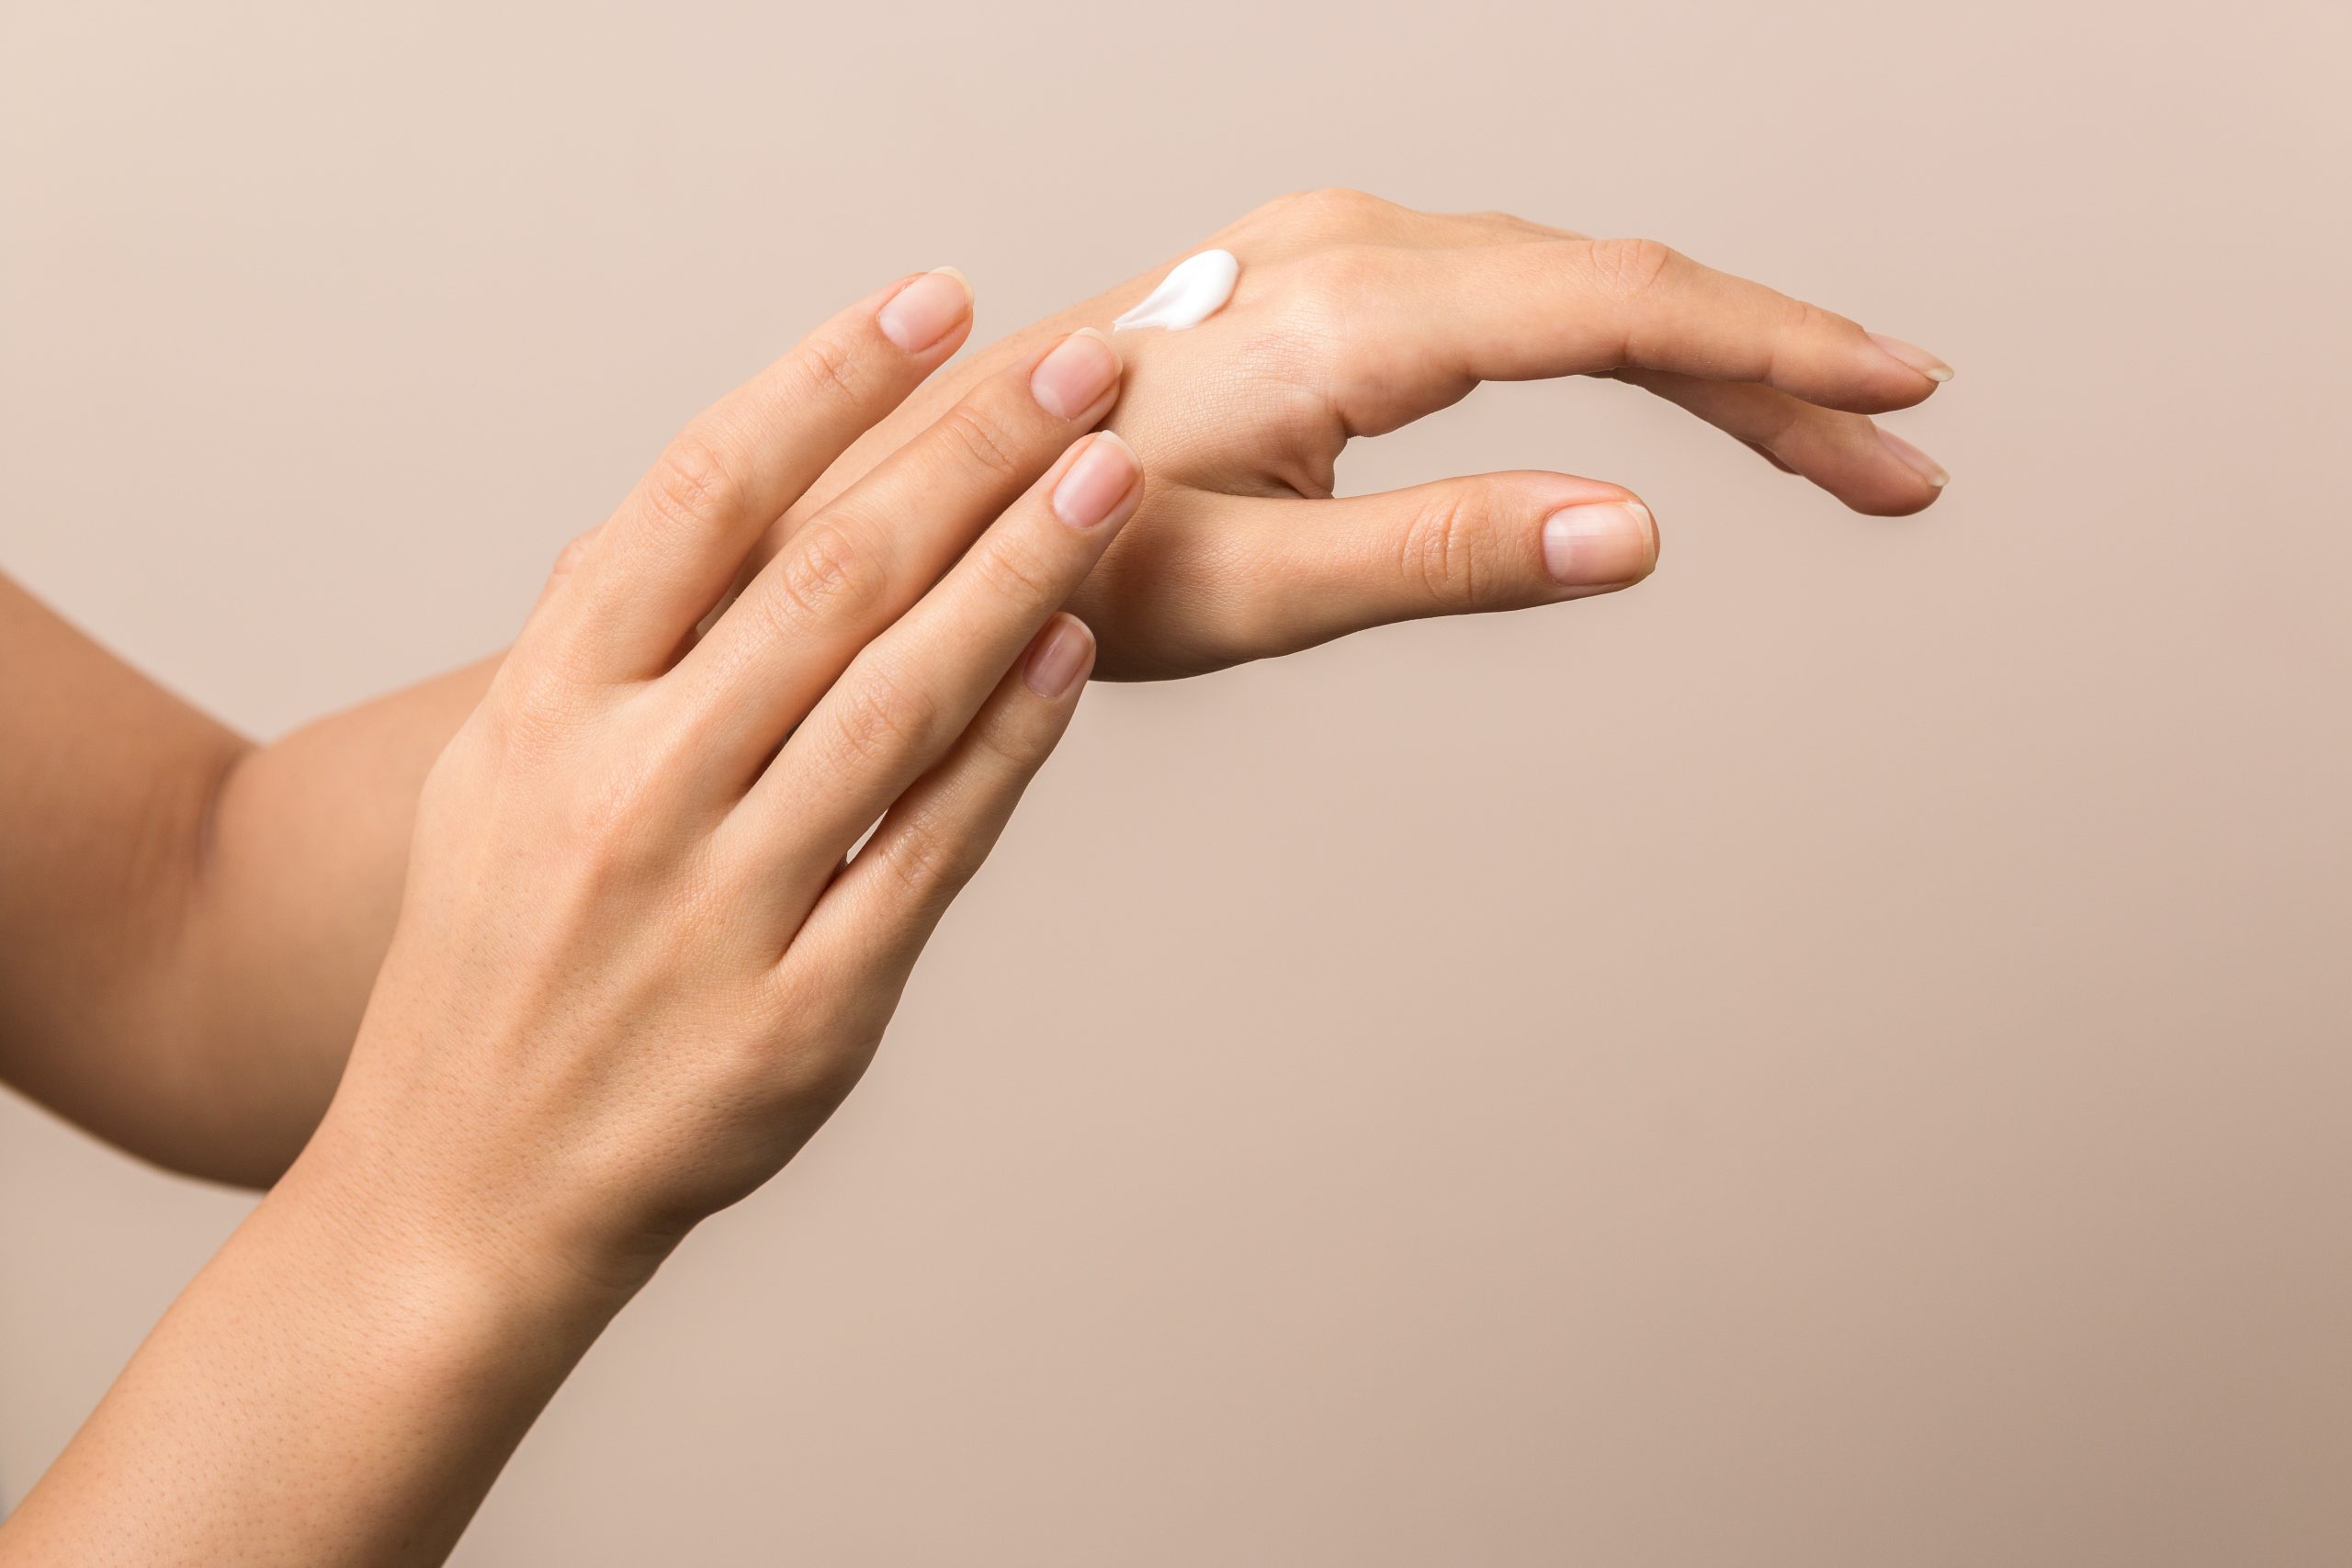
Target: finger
1869, 470
671, 547
1508, 228
1318, 569
567, 565
1847, 455
889, 900
1432, 323
856, 566
907, 697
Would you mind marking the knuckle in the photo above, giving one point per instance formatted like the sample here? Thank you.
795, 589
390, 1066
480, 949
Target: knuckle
1015, 748
1801, 326
1784, 417
805, 1038
830, 369
574, 552
1809, 320
882, 719
1018, 574
927, 860
693, 488
1514, 226
981, 441
1331, 208
1492, 222
821, 570
1445, 551
1628, 267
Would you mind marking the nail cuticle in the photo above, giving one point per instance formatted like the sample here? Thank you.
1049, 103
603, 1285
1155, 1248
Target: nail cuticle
923, 313
1597, 544
1076, 379
1098, 482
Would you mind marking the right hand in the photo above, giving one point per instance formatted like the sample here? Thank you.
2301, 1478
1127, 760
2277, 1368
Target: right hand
634, 969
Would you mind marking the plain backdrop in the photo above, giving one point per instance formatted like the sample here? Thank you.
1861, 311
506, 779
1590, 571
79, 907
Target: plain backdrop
1842, 1056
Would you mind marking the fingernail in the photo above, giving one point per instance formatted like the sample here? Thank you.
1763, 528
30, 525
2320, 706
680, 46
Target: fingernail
1102, 476
1600, 545
1058, 657
1926, 467
1073, 378
926, 310
1912, 355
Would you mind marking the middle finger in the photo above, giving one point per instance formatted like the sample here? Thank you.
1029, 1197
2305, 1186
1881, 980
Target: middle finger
861, 561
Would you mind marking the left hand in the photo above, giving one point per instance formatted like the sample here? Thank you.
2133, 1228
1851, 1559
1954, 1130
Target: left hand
1354, 317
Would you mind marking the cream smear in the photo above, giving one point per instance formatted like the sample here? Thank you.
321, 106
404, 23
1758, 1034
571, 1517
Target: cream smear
1194, 290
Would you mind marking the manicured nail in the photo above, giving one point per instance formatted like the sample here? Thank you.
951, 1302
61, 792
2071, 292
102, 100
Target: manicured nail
1600, 545
1058, 657
1073, 378
1926, 467
1094, 485
926, 310
1912, 355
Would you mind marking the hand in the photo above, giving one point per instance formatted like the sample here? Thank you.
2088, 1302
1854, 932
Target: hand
632, 972
634, 967
1354, 315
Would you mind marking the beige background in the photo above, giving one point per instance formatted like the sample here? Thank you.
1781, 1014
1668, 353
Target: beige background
1836, 1057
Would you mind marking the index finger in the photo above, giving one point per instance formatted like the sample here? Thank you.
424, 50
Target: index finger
1521, 311
675, 545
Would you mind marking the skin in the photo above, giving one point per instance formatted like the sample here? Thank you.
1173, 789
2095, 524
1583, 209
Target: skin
635, 965
587, 914
187, 945
1354, 317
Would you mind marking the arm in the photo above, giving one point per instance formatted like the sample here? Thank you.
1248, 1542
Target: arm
189, 923
212, 1042
1352, 317
634, 967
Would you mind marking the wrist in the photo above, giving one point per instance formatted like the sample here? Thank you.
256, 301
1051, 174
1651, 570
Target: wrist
446, 1239
341, 1383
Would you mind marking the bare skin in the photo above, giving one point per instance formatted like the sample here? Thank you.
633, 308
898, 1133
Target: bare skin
1354, 317
587, 914
635, 965
188, 940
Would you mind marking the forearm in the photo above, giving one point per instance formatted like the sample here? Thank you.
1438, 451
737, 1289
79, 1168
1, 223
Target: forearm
298, 886
190, 924
341, 1384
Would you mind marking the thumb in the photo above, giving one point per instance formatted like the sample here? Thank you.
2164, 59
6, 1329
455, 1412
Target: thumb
1506, 541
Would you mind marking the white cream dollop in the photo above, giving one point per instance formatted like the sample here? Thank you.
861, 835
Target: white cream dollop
1195, 289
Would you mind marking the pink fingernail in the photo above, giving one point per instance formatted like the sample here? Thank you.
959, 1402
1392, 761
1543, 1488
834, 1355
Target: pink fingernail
1600, 545
1058, 657
1091, 486
925, 310
1926, 467
1913, 355
1074, 377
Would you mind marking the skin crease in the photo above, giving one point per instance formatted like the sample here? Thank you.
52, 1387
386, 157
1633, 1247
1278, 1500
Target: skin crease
1352, 317
619, 970
633, 970
193, 1001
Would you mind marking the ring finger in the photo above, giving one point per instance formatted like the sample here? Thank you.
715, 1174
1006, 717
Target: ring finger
904, 700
